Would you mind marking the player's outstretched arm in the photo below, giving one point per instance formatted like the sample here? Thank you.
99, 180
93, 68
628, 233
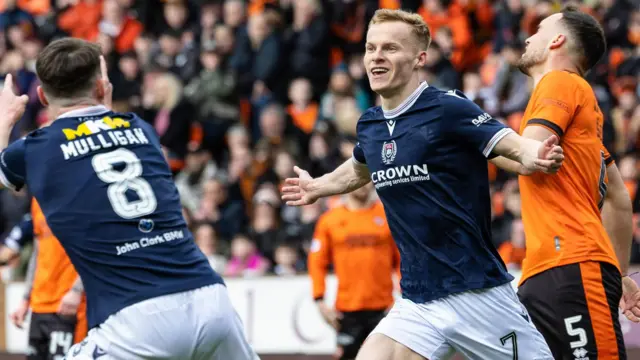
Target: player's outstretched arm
546, 156
305, 190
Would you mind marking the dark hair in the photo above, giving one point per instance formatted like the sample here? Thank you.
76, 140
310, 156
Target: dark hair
588, 35
68, 67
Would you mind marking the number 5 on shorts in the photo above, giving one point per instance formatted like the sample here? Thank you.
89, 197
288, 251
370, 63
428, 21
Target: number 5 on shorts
575, 331
514, 343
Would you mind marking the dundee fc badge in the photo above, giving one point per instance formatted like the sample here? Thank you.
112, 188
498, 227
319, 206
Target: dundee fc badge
389, 150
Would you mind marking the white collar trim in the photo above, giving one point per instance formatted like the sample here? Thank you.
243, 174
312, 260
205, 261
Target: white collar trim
86, 111
407, 103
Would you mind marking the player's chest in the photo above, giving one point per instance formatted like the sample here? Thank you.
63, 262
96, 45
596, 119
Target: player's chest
405, 151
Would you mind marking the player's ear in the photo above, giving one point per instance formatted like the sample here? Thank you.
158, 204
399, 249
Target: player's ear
557, 41
42, 97
100, 90
421, 60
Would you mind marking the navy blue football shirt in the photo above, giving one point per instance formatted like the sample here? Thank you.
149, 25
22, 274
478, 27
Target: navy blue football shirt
108, 195
428, 162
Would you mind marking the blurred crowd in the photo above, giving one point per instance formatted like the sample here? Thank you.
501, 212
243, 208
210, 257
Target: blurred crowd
241, 90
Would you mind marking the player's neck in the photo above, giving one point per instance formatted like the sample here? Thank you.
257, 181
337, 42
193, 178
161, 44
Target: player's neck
538, 72
59, 109
393, 101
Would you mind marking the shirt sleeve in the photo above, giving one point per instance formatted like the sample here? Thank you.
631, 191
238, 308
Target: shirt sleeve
12, 167
608, 159
358, 155
554, 102
319, 258
467, 122
21, 234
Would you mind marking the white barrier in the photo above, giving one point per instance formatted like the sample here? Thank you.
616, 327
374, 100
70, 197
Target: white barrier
278, 313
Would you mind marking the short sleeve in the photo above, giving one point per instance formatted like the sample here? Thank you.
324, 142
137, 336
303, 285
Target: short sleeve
608, 159
554, 102
467, 122
358, 155
21, 234
12, 165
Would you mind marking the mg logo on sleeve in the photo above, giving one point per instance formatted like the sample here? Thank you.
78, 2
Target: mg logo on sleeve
389, 150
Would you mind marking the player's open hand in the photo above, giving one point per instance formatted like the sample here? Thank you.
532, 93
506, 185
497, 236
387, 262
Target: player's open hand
630, 302
330, 315
11, 105
17, 317
550, 156
297, 191
107, 96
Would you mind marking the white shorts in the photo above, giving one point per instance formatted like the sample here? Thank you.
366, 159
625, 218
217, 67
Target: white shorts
199, 324
479, 324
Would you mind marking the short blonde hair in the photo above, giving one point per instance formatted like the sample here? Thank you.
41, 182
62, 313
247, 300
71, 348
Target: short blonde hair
420, 28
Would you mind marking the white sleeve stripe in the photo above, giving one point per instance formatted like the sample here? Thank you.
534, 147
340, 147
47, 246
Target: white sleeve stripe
495, 139
5, 181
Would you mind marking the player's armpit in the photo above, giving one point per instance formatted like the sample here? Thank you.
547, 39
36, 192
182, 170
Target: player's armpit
617, 216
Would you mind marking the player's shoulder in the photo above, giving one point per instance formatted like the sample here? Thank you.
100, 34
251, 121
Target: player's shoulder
558, 81
371, 114
454, 104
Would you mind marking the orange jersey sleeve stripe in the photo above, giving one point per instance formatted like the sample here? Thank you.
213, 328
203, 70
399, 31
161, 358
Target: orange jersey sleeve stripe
548, 124
599, 311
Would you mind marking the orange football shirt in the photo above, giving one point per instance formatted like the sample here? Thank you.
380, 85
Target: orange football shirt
54, 274
364, 256
561, 212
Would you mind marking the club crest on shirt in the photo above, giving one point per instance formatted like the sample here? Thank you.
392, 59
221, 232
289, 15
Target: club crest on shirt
389, 150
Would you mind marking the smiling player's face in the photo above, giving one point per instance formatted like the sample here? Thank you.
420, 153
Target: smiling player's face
391, 56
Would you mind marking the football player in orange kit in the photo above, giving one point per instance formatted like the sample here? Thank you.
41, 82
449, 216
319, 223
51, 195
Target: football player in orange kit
356, 239
578, 223
54, 294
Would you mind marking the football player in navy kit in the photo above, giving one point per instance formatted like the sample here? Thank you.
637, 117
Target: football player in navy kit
107, 193
426, 152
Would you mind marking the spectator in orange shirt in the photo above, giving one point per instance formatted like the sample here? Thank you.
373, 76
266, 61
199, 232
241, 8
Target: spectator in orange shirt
118, 25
